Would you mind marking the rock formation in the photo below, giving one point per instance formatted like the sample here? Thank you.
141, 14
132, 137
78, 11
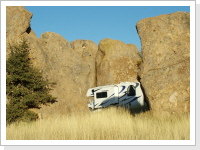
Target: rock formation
70, 65
81, 64
165, 71
116, 62
69, 69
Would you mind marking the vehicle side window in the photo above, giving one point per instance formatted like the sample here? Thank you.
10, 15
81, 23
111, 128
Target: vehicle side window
101, 95
131, 91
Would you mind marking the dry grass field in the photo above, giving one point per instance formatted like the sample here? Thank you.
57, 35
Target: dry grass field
110, 124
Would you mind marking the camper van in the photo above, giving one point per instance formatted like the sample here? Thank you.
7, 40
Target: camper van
125, 94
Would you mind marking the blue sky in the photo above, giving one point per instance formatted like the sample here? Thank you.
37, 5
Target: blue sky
95, 22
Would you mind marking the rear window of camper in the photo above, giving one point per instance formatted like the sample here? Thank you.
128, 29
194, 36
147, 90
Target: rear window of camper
131, 91
102, 95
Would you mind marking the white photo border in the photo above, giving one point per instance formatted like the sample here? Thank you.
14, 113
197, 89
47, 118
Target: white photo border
97, 142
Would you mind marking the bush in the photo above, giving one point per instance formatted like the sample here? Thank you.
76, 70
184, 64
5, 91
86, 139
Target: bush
25, 86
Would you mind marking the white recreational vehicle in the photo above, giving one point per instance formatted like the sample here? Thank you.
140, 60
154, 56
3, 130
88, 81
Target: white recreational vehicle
125, 94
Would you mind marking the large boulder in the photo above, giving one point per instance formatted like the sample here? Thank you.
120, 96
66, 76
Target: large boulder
17, 21
165, 71
116, 62
17, 24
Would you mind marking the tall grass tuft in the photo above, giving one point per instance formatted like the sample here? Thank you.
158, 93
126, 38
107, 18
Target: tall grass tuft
109, 124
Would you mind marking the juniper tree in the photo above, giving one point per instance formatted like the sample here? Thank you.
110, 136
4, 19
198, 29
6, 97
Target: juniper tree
25, 86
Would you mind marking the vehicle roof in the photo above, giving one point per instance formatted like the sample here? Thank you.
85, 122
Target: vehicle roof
122, 83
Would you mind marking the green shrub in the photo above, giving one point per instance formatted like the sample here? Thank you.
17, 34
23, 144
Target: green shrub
25, 86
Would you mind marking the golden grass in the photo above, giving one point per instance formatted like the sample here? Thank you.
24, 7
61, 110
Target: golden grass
109, 124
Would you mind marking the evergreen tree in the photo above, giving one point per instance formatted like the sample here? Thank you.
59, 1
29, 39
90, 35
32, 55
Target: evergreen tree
25, 86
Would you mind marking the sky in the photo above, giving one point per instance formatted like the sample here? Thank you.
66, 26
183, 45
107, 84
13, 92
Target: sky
95, 22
